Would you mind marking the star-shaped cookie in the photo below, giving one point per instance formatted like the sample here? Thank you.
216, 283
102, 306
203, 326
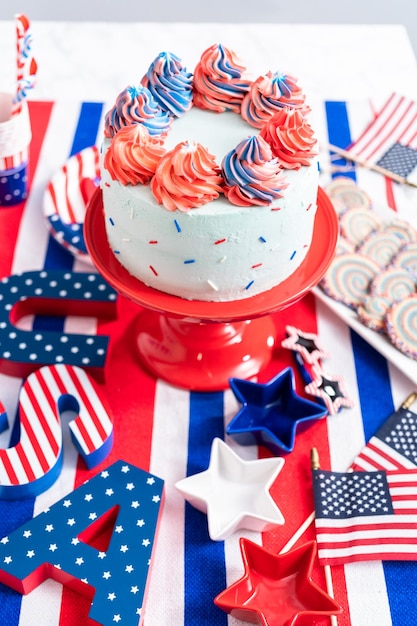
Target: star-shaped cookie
308, 345
277, 589
233, 492
271, 412
330, 388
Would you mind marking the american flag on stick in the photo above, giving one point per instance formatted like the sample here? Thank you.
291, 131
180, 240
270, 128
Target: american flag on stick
365, 516
388, 144
394, 445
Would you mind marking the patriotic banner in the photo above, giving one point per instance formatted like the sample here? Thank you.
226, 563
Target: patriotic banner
169, 431
365, 516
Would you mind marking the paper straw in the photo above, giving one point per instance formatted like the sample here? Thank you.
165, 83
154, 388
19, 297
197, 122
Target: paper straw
26, 66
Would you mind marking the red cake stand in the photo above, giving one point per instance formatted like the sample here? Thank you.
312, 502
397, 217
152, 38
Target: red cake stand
200, 345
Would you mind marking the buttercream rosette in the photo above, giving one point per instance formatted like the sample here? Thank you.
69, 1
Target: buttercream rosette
136, 105
291, 138
133, 155
268, 94
170, 84
252, 174
186, 177
220, 81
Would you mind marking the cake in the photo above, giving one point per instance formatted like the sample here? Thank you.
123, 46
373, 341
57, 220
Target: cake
209, 179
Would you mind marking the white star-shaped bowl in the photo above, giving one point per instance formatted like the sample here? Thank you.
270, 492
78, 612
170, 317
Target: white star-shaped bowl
234, 493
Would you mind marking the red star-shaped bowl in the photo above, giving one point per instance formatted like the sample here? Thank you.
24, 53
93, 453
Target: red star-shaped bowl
277, 589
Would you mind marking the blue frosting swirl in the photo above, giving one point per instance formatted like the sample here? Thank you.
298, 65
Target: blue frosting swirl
170, 84
251, 174
136, 105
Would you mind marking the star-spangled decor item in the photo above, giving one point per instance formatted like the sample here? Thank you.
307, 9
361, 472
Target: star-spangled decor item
60, 544
330, 389
271, 412
365, 516
307, 344
67, 196
394, 445
13, 185
399, 159
233, 492
52, 292
34, 463
391, 129
277, 589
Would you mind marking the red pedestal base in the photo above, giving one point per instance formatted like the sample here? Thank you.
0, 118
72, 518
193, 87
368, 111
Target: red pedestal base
203, 356
200, 345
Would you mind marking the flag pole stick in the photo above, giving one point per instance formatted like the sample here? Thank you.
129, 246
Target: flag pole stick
315, 464
370, 166
298, 533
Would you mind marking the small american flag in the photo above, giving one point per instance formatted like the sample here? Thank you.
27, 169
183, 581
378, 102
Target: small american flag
365, 516
394, 445
390, 140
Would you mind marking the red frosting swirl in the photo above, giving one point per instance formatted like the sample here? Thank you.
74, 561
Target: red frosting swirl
219, 80
291, 138
270, 93
133, 155
186, 177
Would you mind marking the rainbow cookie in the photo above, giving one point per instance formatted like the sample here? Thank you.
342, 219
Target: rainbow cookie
358, 223
344, 245
394, 282
401, 229
348, 278
345, 194
401, 325
372, 312
407, 257
380, 247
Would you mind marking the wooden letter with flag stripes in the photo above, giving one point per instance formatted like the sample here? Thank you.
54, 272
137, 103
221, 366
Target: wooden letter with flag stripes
34, 463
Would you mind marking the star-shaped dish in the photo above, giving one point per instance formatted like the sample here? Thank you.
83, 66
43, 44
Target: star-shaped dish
277, 589
306, 344
330, 388
271, 413
233, 492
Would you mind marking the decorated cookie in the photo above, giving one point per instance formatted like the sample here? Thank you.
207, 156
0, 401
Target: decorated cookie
330, 389
380, 247
344, 245
358, 223
308, 345
401, 228
372, 312
394, 282
348, 278
402, 325
407, 257
345, 194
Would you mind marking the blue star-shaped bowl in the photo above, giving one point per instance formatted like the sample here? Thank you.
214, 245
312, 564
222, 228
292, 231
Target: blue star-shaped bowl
271, 412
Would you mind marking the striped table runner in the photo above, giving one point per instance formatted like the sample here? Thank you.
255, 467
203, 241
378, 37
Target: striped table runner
168, 431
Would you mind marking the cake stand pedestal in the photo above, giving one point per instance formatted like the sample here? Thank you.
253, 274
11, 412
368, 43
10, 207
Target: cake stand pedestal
200, 345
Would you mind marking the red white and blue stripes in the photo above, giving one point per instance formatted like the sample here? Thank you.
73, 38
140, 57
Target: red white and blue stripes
168, 431
66, 197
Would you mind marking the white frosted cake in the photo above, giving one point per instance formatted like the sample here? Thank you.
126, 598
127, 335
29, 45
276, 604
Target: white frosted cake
209, 188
